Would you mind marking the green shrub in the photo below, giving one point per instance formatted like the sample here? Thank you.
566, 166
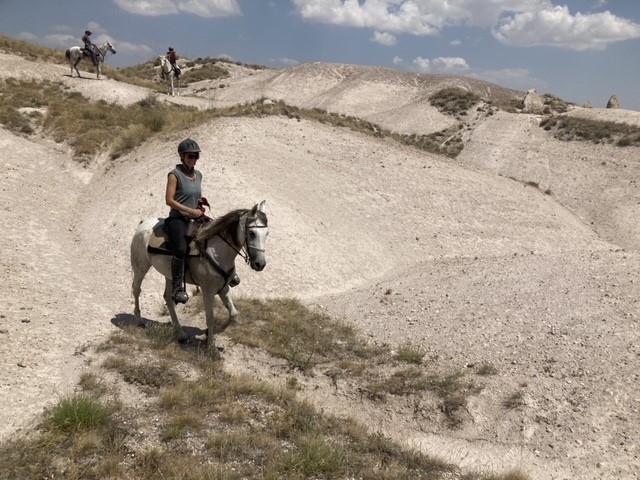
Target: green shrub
76, 413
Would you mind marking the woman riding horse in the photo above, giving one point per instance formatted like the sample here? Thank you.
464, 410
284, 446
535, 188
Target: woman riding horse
183, 194
184, 190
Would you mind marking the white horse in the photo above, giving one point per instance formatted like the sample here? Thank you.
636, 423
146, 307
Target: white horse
168, 72
75, 54
211, 266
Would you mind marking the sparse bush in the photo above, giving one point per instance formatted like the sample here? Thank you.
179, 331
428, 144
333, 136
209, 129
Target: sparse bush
597, 131
515, 400
410, 354
454, 100
77, 413
487, 369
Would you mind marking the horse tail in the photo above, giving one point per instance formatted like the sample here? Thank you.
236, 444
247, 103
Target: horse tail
67, 54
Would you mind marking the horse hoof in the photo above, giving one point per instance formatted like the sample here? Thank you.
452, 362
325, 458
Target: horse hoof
183, 338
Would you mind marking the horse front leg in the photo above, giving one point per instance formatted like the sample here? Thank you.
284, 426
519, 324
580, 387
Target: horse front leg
208, 298
171, 306
227, 301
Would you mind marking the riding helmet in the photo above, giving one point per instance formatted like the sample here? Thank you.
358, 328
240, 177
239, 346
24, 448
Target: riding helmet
187, 146
87, 32
171, 49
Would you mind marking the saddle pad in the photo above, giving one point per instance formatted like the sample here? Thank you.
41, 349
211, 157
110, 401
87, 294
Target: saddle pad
159, 239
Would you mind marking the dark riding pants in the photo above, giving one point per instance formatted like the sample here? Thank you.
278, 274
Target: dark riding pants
92, 54
176, 228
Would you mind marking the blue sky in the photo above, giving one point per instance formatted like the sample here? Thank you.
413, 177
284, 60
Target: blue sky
580, 50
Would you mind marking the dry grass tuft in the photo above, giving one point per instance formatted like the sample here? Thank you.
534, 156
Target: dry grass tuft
597, 131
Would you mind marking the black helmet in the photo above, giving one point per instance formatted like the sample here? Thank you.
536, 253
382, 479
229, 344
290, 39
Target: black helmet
171, 49
87, 32
187, 146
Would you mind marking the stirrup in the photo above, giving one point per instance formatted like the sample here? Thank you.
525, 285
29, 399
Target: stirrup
235, 280
180, 296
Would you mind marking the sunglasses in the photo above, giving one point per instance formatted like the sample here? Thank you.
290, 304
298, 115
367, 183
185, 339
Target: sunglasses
193, 156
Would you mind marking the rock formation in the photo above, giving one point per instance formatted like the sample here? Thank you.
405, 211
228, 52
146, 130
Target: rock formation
533, 102
613, 102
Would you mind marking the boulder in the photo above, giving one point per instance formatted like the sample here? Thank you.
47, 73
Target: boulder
587, 105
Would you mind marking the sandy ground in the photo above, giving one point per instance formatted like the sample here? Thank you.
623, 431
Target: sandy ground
463, 258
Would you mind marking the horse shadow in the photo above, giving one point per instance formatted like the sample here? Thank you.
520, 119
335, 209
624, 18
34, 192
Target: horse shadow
128, 320
81, 78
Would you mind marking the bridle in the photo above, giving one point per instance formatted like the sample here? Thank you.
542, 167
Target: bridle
247, 247
244, 251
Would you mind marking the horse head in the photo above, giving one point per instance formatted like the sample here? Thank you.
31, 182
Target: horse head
252, 233
107, 47
243, 229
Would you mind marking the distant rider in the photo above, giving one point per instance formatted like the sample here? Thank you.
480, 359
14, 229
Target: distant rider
89, 47
173, 59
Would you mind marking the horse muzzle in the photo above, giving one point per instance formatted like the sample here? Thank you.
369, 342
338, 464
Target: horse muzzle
258, 264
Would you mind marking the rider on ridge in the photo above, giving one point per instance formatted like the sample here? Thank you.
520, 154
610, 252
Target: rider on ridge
173, 59
89, 47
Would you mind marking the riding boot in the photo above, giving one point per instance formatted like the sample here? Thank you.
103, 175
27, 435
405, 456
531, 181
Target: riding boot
235, 280
179, 294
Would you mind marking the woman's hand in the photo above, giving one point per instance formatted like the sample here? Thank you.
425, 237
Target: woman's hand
195, 213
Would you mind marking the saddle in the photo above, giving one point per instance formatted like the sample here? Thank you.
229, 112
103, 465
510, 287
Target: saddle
159, 241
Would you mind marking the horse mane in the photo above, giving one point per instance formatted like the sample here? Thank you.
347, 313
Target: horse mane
225, 226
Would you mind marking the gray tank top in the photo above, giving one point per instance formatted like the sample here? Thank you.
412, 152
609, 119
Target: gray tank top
188, 191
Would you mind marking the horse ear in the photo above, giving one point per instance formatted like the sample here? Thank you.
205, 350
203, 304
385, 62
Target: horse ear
262, 207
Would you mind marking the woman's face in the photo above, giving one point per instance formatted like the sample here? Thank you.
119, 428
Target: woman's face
190, 159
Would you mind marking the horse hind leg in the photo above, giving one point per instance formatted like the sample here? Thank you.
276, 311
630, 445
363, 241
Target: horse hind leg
75, 66
140, 265
171, 306
139, 272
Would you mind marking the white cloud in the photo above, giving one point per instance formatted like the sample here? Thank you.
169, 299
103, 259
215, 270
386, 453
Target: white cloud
384, 38
450, 64
422, 64
385, 15
398, 60
441, 65
455, 43
558, 28
28, 37
288, 62
416, 17
60, 40
518, 23
201, 8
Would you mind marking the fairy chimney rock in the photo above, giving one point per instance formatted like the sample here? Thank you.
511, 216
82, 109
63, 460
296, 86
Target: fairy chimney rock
613, 102
533, 102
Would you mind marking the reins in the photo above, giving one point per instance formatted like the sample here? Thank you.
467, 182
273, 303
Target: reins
243, 251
